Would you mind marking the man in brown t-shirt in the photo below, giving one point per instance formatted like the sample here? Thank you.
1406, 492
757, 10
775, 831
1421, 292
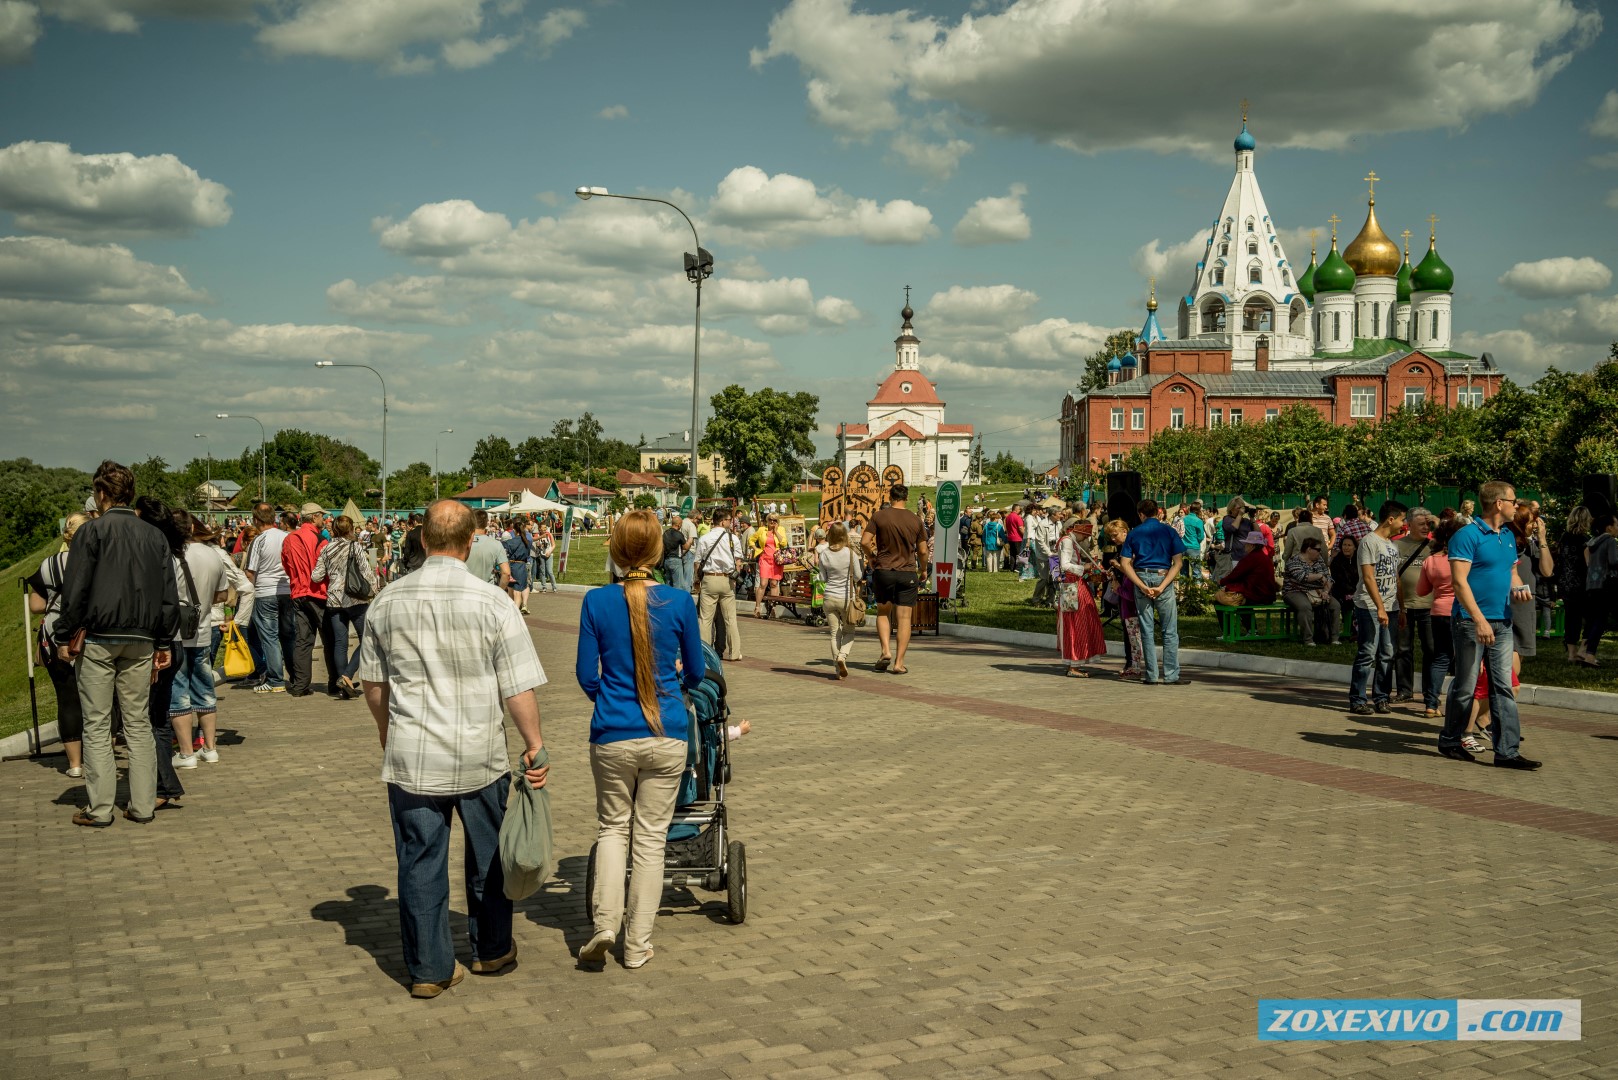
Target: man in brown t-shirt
895, 546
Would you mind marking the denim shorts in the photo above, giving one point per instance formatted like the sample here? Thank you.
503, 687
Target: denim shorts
193, 682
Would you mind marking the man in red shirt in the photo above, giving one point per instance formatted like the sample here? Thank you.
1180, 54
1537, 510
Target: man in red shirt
298, 555
1014, 536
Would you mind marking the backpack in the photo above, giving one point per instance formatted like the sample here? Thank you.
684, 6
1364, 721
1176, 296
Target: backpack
673, 541
355, 587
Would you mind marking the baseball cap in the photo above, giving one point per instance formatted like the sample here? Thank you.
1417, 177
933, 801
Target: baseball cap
312, 508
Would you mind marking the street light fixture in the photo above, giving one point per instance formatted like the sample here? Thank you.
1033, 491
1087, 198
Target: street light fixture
262, 439
446, 431
200, 435
384, 382
697, 268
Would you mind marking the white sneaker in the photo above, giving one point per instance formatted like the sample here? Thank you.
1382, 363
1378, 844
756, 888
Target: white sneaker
185, 761
76, 772
210, 756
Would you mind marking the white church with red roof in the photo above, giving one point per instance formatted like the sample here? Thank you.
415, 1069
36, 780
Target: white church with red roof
904, 423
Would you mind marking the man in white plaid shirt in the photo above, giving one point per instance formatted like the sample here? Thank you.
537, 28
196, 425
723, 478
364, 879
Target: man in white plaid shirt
443, 653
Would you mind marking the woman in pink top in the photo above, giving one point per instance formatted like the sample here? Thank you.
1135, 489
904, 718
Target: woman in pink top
1437, 582
1014, 535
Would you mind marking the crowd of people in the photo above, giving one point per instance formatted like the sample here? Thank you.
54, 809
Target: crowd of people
425, 623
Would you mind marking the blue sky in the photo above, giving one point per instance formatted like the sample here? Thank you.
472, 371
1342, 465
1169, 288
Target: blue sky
194, 211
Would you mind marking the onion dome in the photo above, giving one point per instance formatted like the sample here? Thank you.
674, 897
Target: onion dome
1403, 280
1333, 275
1306, 282
1127, 360
907, 314
1114, 364
1371, 253
1432, 274
1245, 140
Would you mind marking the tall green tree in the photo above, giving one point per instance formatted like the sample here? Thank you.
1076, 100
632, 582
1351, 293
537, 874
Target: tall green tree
753, 432
493, 458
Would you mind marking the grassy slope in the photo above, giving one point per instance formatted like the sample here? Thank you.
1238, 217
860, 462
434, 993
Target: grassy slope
1000, 600
14, 713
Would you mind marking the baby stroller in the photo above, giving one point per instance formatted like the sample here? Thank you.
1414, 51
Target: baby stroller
699, 853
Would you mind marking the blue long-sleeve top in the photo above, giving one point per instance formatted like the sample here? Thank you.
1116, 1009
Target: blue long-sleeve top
606, 661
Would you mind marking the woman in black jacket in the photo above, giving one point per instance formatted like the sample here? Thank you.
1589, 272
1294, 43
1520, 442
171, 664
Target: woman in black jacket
1345, 577
169, 788
1570, 580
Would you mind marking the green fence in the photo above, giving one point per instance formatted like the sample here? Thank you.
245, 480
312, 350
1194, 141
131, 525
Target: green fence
1433, 498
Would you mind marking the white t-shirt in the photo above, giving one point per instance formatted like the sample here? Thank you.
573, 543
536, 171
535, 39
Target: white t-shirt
264, 561
688, 529
1380, 553
207, 565
835, 569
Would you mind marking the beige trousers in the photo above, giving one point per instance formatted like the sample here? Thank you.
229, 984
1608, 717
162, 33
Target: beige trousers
121, 670
636, 781
718, 591
842, 635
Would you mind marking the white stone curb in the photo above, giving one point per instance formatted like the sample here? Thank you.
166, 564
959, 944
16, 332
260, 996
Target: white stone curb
1554, 697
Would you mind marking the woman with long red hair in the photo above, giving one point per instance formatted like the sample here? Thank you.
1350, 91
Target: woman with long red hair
630, 637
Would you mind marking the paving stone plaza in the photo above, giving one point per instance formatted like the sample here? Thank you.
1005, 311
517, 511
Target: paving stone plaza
980, 869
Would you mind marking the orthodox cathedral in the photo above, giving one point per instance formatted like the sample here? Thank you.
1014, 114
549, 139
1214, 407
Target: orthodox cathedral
904, 421
1355, 335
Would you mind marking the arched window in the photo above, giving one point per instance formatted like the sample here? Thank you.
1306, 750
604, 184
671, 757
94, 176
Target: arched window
1376, 320
1336, 325
1257, 315
1224, 248
1249, 224
1213, 316
1255, 273
1286, 277
1299, 317
1435, 324
1219, 279
1277, 249
1252, 247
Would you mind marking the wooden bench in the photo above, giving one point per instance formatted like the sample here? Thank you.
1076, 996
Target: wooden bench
1257, 622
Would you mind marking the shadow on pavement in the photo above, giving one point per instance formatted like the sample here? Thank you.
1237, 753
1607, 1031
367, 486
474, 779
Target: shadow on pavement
559, 903
1381, 742
370, 920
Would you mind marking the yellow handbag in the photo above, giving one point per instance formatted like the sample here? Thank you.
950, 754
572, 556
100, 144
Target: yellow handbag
238, 657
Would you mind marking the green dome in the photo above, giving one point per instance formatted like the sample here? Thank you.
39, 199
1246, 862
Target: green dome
1306, 283
1403, 280
1433, 274
1333, 275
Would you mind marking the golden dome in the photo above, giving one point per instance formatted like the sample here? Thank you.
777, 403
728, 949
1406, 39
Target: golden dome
1371, 253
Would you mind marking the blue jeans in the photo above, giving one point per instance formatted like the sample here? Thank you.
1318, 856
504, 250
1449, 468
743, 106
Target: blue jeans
1166, 610
674, 574
1373, 663
1467, 658
421, 825
193, 684
268, 620
339, 620
542, 571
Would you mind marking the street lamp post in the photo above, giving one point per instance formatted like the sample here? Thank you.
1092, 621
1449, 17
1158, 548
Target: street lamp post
205, 439
446, 431
697, 267
384, 382
262, 439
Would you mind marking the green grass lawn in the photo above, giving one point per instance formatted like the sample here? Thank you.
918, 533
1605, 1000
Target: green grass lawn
14, 712
1000, 600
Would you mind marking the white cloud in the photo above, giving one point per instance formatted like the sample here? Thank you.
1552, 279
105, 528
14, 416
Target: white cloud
1612, 198
937, 159
557, 26
1605, 124
468, 53
123, 16
53, 190
613, 112
995, 220
1023, 67
1563, 276
452, 227
46, 268
19, 29
385, 32
779, 305
836, 311
1059, 339
1155, 260
753, 207
1525, 356
1592, 320
982, 306
399, 299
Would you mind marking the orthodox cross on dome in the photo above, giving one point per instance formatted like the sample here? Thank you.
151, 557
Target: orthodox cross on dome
1372, 179
907, 296
1334, 219
1245, 103
1152, 281
1432, 223
1313, 235
1406, 235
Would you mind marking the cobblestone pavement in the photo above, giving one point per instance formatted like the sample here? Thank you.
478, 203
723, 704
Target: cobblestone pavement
977, 870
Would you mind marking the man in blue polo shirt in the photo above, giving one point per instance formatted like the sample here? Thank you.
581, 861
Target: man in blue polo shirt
1483, 559
1152, 555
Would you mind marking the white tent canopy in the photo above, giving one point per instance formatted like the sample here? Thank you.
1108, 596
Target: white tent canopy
528, 503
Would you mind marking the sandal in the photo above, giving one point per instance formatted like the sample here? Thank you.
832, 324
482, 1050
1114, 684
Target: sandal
1075, 673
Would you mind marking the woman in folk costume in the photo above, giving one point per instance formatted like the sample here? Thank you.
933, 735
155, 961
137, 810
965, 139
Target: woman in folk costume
1078, 625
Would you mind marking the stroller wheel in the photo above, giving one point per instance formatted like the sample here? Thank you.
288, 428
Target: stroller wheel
590, 887
736, 901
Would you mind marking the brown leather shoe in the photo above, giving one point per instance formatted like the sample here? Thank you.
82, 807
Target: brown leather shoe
130, 815
83, 818
497, 965
432, 990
